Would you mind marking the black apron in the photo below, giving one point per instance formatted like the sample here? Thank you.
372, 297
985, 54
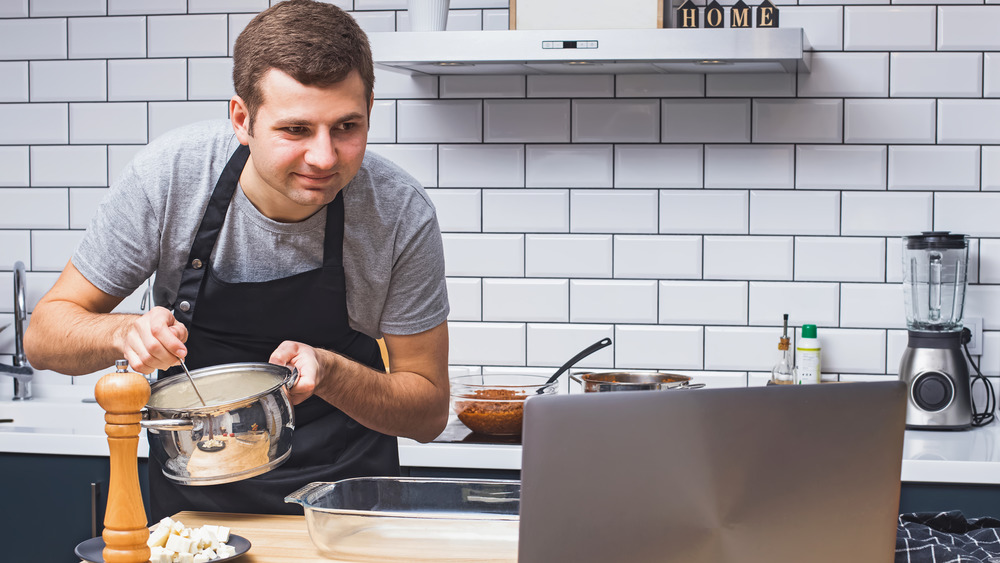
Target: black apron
245, 322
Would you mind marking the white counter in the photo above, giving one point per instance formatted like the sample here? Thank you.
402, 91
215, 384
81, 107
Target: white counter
971, 457
67, 426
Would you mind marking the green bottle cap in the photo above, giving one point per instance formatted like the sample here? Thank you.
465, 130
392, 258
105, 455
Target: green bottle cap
808, 331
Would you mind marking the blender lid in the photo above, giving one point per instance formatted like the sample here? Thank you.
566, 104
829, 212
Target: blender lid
936, 240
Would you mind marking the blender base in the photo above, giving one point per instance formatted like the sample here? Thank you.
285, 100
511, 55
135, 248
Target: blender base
939, 391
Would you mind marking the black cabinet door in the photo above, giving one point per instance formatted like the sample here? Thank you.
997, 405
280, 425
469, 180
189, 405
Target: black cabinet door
46, 507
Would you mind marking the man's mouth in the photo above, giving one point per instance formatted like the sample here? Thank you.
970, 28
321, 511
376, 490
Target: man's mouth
315, 178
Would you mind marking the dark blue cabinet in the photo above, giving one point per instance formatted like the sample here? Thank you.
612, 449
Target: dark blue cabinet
47, 506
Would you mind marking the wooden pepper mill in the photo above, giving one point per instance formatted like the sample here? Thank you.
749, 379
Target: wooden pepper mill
122, 394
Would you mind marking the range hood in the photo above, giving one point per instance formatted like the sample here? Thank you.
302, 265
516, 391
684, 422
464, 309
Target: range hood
603, 51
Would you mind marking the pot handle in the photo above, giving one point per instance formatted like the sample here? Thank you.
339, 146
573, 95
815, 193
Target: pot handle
299, 496
168, 424
292, 378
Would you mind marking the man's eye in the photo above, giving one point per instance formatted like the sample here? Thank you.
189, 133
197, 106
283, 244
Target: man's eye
295, 130
348, 125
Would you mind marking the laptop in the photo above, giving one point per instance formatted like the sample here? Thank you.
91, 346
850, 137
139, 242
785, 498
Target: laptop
751, 475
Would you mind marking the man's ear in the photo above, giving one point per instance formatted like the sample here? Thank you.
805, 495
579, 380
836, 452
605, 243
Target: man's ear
239, 115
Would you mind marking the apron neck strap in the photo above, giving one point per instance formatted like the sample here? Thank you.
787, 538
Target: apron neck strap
333, 245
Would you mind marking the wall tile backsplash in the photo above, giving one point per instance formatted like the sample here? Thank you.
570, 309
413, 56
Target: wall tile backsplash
678, 214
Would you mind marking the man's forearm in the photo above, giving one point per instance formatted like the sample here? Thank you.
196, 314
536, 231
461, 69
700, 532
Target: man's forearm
66, 338
399, 403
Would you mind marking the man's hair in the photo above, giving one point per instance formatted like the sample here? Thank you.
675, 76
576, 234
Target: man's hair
315, 43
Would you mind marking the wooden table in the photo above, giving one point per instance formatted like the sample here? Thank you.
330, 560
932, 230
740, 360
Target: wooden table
275, 538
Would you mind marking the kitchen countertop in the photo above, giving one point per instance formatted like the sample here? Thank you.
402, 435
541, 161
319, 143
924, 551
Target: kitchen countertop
274, 538
278, 538
969, 457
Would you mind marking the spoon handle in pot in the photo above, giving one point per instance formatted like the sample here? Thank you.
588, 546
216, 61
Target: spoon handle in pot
602, 343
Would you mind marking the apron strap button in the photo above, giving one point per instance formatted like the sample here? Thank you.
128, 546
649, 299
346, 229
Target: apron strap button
196, 264
184, 306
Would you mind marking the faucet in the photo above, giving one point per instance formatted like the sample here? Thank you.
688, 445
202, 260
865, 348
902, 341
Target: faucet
20, 370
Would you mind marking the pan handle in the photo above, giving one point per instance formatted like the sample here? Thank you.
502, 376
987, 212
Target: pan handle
168, 424
292, 378
299, 496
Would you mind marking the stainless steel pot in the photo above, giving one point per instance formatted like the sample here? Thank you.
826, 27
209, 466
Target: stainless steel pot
229, 439
632, 381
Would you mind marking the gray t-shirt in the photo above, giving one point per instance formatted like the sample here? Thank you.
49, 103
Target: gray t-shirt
393, 255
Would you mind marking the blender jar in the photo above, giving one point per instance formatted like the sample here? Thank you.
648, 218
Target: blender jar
934, 277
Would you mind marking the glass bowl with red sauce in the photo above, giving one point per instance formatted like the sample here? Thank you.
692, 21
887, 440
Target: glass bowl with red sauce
493, 404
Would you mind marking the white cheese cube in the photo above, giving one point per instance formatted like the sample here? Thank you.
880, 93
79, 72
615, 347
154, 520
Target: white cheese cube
209, 553
185, 558
226, 550
166, 522
222, 534
205, 537
200, 559
154, 553
158, 537
177, 527
179, 544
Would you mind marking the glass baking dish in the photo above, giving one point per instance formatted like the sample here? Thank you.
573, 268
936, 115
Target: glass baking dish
413, 519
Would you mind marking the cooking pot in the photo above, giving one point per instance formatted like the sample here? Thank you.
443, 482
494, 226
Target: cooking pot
632, 381
243, 430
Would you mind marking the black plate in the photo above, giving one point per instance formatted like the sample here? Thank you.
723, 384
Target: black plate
93, 549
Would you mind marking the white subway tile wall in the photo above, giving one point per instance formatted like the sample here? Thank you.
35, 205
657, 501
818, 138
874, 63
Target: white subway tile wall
13, 82
551, 344
533, 300
518, 211
105, 38
798, 121
801, 300
678, 214
774, 212
840, 259
41, 8
991, 75
885, 28
68, 81
14, 166
703, 302
931, 75
843, 167
608, 301
533, 121
934, 167
889, 121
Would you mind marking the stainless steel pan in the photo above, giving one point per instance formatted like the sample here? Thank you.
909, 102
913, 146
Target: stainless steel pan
227, 440
632, 381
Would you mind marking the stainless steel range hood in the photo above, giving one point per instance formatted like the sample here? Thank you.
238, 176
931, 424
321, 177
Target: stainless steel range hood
604, 51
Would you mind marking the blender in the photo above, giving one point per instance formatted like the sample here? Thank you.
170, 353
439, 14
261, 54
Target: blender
932, 366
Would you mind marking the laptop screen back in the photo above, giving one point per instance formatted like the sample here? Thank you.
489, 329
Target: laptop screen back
799, 473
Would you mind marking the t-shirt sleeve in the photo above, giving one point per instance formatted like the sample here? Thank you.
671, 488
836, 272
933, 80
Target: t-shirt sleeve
417, 299
120, 248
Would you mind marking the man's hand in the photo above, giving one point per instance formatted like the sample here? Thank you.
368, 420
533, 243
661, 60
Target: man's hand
304, 359
412, 401
72, 331
153, 341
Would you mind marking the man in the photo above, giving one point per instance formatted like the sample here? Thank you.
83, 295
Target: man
272, 238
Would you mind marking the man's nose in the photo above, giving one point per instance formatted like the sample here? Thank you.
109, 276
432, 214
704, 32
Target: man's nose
321, 152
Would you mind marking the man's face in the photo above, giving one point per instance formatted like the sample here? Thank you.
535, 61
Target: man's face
307, 144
